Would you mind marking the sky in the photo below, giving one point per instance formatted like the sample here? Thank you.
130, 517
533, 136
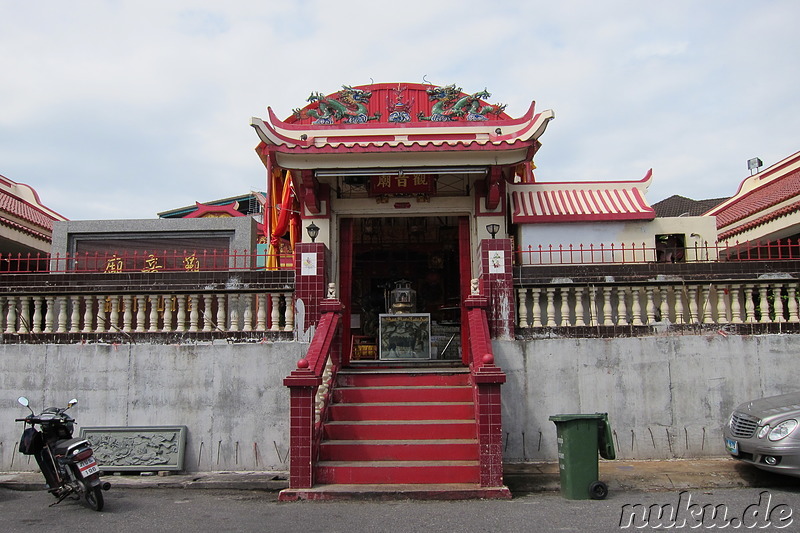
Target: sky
123, 109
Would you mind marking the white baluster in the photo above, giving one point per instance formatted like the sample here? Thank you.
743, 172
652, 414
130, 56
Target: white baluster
723, 303
88, 313
221, 312
749, 305
564, 319
536, 307
736, 305
248, 312
194, 313
127, 313
234, 312
763, 303
708, 317
551, 307
75, 319
777, 288
663, 305
261, 313
11, 316
153, 326
594, 312
180, 318
579, 310
680, 308
49, 314
113, 319
289, 312
693, 308
167, 313
24, 314
622, 306
522, 307
101, 314
650, 307
38, 301
791, 288
636, 307
608, 316
141, 312
207, 299
275, 326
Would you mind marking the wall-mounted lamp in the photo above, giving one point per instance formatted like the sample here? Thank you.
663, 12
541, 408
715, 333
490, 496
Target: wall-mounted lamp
492, 229
313, 231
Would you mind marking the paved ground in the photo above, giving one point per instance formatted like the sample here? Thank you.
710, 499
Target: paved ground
679, 474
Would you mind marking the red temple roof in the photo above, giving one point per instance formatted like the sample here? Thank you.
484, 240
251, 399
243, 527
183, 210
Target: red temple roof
402, 118
770, 194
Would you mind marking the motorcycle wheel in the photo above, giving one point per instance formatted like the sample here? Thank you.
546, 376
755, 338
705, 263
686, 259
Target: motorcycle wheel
94, 498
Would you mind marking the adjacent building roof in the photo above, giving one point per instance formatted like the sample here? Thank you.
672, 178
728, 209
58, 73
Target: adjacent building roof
680, 206
24, 222
763, 198
581, 201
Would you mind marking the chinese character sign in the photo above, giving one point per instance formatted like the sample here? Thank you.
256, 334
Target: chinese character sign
406, 184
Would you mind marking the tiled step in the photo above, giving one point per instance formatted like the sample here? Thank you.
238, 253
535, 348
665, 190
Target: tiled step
393, 472
400, 450
401, 411
400, 429
393, 379
445, 393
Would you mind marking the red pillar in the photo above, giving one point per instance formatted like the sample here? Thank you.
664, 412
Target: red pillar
310, 280
498, 285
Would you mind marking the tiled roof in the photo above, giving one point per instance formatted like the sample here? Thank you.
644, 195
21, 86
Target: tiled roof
577, 202
677, 205
759, 199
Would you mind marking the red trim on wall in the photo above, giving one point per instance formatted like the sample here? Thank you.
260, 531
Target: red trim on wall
465, 274
346, 283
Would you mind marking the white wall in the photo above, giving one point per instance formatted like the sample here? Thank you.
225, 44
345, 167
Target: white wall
630, 233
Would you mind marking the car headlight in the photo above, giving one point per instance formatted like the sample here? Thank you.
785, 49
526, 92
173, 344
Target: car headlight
782, 430
763, 431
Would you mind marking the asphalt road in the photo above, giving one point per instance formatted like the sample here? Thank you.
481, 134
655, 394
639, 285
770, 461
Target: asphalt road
189, 511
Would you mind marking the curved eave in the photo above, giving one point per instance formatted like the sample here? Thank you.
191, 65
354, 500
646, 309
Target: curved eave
527, 129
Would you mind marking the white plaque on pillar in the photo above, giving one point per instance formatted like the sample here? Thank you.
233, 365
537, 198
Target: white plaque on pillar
497, 262
308, 264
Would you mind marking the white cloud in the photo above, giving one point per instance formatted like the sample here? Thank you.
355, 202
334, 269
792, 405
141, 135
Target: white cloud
122, 109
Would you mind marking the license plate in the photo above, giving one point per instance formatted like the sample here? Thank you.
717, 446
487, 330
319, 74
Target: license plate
732, 446
88, 467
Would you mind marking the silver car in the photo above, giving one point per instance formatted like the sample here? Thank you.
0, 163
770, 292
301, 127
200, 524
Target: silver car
764, 433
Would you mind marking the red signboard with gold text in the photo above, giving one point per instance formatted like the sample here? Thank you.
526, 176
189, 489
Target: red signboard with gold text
406, 184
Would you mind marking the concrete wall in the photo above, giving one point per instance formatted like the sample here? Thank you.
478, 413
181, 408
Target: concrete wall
666, 396
230, 396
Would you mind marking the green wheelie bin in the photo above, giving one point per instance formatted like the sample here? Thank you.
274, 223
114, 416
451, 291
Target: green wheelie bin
580, 438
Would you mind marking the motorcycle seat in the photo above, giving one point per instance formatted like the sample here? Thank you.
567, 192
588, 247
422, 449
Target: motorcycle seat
66, 446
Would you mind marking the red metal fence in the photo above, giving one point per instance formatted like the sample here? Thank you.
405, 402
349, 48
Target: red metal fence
633, 253
151, 262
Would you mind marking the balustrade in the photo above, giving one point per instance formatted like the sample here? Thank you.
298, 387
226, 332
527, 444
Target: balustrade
33, 314
569, 305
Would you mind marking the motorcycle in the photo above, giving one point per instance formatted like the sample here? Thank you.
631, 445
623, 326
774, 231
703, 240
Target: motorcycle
68, 464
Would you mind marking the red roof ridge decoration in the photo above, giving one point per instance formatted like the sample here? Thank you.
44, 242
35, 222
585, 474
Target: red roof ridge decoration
215, 211
584, 201
297, 135
776, 188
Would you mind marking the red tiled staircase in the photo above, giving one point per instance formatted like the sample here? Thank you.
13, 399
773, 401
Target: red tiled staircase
406, 432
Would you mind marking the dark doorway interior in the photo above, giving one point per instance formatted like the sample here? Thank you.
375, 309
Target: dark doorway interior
421, 250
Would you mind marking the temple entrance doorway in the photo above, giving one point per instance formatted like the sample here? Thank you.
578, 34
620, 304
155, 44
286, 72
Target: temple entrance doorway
405, 289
